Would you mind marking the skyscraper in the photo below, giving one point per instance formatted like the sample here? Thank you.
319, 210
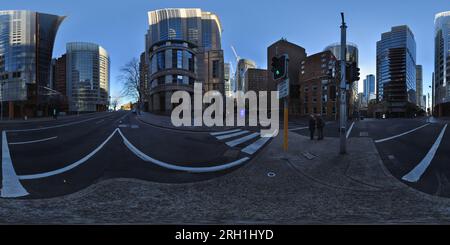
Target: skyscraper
87, 72
26, 47
183, 47
369, 88
419, 85
396, 70
352, 56
442, 64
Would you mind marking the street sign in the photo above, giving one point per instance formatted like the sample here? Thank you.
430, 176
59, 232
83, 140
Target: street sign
283, 89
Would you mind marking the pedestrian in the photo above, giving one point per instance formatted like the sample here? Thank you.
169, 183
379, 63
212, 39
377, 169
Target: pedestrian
320, 125
312, 126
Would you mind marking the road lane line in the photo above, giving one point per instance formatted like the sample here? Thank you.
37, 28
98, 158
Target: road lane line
420, 169
159, 163
349, 131
33, 141
100, 121
56, 126
222, 137
251, 149
69, 167
242, 140
11, 186
400, 135
226, 132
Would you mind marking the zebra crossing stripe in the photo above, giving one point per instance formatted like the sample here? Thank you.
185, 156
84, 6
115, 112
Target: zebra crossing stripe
227, 136
242, 140
251, 149
225, 132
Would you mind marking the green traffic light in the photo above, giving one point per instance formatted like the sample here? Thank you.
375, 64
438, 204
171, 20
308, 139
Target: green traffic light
277, 72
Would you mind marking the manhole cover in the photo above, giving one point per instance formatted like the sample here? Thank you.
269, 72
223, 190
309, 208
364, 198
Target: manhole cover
271, 174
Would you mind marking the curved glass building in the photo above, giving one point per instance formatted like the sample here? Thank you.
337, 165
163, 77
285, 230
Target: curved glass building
442, 64
26, 47
396, 70
183, 46
87, 72
352, 56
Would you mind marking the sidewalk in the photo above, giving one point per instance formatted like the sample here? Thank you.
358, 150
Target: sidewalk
163, 121
328, 189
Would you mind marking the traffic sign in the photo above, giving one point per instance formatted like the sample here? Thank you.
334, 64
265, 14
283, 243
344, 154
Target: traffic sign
283, 89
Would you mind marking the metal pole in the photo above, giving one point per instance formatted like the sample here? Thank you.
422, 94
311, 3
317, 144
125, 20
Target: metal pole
343, 90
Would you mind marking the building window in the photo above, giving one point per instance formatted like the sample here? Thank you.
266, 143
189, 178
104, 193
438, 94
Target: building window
191, 64
161, 61
215, 69
177, 59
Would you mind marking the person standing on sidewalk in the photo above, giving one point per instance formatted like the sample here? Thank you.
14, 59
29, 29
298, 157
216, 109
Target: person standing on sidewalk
312, 126
320, 125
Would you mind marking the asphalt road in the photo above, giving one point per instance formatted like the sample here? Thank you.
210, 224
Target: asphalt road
415, 151
54, 158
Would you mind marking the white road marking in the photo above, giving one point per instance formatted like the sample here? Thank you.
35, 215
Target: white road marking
146, 158
242, 140
420, 169
295, 129
33, 141
222, 137
11, 186
251, 149
225, 132
56, 126
124, 126
400, 135
134, 126
100, 121
69, 167
349, 131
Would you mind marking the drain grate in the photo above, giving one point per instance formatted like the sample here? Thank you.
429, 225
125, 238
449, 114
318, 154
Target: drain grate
271, 174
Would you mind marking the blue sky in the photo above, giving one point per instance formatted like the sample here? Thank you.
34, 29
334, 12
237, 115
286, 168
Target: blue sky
249, 25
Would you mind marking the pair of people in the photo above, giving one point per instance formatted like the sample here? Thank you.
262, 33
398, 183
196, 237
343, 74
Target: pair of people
316, 121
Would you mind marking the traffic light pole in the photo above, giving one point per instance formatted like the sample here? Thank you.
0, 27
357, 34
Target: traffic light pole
343, 90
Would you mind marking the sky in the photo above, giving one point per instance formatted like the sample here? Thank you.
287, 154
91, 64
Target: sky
249, 25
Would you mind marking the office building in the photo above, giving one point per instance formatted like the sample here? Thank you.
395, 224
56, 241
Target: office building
396, 71
441, 85
318, 90
87, 72
296, 55
26, 47
369, 88
183, 46
352, 57
419, 86
241, 70
144, 82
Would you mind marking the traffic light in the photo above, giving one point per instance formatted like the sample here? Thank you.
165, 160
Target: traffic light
279, 67
352, 72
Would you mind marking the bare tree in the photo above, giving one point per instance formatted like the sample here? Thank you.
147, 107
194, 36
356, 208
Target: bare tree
115, 102
131, 82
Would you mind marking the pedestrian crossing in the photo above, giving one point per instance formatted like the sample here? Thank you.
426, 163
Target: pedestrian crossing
250, 142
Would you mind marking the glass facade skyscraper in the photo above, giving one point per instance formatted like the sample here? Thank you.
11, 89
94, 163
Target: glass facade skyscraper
26, 47
442, 64
87, 72
183, 46
369, 88
396, 70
